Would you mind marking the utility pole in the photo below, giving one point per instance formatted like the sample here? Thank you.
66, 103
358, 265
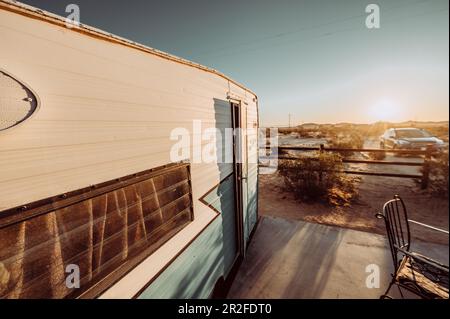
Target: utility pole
289, 119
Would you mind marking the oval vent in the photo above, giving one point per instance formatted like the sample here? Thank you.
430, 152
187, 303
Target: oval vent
17, 102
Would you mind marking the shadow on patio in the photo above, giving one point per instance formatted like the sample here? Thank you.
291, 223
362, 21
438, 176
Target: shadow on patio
296, 259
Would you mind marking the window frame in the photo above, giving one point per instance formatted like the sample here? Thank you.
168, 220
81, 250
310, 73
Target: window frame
22, 213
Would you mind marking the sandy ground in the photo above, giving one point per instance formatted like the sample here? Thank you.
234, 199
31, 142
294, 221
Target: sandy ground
373, 192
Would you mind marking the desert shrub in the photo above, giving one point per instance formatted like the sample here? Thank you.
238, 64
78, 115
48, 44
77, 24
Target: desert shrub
439, 131
353, 140
377, 155
319, 178
289, 130
343, 144
308, 134
439, 178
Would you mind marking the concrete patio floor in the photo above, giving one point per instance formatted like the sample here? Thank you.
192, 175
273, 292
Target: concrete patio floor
296, 259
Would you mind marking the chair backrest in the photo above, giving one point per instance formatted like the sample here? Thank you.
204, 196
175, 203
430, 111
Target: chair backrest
397, 226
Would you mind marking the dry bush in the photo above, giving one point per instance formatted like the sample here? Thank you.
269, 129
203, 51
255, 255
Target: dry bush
377, 155
289, 130
352, 140
439, 131
439, 178
319, 178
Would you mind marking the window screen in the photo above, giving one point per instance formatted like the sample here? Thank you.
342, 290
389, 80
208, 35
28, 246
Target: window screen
103, 231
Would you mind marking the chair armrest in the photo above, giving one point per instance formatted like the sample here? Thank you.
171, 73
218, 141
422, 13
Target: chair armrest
425, 259
429, 226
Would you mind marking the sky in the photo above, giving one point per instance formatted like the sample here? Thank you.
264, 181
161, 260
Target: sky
313, 59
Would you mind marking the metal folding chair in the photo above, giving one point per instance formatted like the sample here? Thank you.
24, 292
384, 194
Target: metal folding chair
414, 272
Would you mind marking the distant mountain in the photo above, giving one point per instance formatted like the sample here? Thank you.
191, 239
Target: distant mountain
379, 124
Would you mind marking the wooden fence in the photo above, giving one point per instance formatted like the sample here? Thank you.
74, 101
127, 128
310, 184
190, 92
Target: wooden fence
425, 164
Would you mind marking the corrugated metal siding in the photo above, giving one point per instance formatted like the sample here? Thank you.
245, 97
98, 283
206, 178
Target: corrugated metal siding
222, 198
107, 111
194, 273
244, 166
222, 111
252, 185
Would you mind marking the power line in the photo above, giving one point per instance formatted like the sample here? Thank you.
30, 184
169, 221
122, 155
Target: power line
288, 33
279, 35
325, 34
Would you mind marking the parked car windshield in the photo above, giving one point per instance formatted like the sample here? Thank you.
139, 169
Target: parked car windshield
412, 133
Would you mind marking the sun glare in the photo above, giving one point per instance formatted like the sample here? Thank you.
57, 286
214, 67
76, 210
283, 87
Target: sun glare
385, 110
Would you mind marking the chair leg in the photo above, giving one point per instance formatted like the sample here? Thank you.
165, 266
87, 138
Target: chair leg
400, 291
385, 295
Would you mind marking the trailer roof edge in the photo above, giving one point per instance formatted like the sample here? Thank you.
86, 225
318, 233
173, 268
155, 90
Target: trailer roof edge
39, 14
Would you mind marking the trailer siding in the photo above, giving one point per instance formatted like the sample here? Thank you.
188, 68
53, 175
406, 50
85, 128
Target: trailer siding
252, 191
194, 273
107, 111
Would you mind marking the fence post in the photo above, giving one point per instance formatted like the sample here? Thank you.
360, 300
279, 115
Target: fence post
426, 167
321, 150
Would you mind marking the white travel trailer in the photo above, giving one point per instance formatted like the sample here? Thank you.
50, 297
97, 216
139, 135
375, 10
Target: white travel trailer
92, 204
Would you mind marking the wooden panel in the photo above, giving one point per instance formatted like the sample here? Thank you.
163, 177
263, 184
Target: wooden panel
102, 231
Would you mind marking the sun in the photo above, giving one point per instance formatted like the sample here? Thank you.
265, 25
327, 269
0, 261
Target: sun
385, 110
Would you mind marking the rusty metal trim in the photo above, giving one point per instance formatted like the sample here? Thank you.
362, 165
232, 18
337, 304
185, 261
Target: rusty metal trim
43, 206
